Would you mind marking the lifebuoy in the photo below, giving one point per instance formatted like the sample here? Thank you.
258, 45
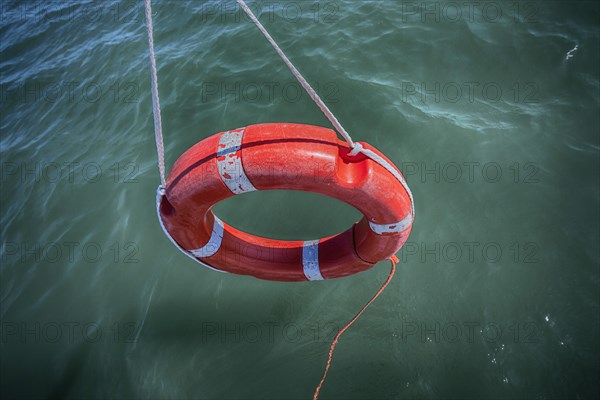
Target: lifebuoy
291, 157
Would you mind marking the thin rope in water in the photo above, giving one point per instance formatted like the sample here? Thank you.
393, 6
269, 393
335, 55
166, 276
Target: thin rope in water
158, 135
393, 260
311, 92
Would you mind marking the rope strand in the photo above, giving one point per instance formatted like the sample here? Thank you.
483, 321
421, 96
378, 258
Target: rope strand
158, 136
311, 92
393, 260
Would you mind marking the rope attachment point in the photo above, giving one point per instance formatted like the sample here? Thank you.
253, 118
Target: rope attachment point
356, 148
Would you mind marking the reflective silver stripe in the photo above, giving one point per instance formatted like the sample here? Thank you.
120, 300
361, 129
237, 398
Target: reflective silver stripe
395, 227
310, 260
159, 193
213, 244
229, 162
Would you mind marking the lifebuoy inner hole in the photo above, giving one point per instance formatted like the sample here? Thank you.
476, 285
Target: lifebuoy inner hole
287, 214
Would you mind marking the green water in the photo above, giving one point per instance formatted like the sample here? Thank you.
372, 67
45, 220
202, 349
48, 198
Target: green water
488, 110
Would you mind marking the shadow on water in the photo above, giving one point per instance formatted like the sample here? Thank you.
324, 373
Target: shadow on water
207, 346
87, 364
76, 363
184, 322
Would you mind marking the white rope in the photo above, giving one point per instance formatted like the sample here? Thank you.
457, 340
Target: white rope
311, 92
355, 146
160, 149
161, 190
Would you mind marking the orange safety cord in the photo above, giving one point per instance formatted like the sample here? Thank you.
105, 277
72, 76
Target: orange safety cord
393, 260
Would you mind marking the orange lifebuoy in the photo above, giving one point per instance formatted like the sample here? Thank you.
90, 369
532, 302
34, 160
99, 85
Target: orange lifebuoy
290, 157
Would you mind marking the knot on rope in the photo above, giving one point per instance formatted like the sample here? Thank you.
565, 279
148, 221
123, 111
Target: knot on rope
356, 148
